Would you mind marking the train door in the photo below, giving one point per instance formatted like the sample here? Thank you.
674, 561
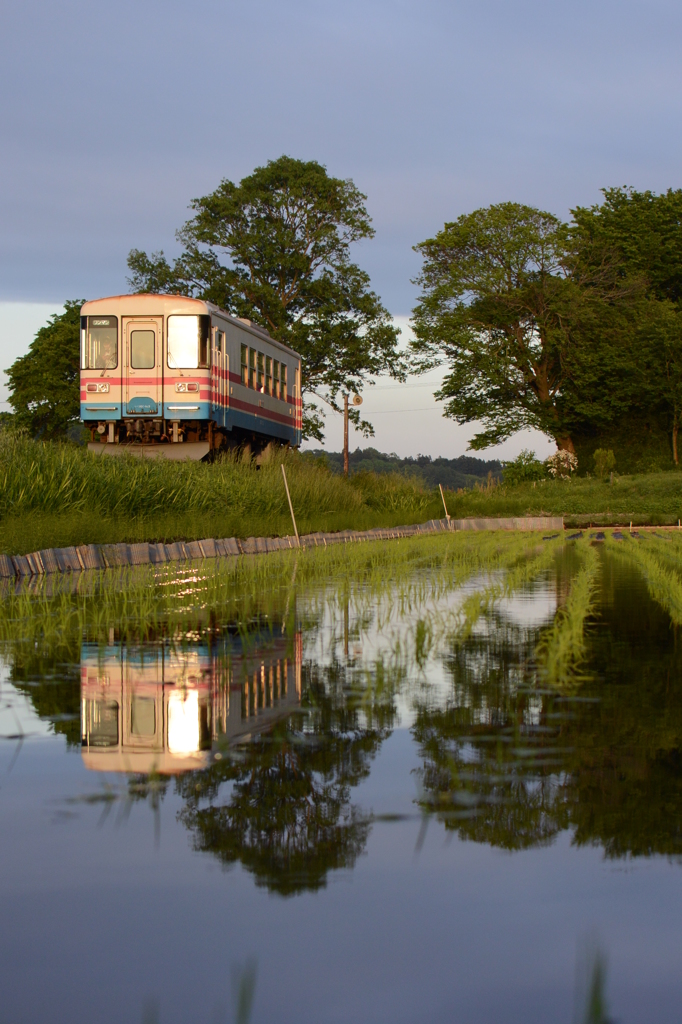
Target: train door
142, 366
220, 371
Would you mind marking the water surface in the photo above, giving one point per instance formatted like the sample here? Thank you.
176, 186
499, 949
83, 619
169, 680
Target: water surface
391, 786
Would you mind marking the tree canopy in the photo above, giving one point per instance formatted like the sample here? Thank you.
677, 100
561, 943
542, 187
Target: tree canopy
572, 328
44, 385
637, 238
276, 249
495, 303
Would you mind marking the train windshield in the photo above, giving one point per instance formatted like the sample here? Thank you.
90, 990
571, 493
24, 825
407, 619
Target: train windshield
188, 342
100, 348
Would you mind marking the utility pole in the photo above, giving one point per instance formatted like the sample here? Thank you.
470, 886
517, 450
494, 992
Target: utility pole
345, 435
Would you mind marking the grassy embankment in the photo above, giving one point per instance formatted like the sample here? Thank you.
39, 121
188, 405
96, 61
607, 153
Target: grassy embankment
643, 499
56, 495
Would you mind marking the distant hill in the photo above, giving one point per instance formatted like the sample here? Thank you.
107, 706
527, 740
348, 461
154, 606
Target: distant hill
464, 471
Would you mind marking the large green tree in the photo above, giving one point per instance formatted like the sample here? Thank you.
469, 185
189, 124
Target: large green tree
637, 236
496, 306
535, 330
276, 249
44, 385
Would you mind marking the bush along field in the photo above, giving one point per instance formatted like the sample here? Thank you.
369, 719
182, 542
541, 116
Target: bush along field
54, 495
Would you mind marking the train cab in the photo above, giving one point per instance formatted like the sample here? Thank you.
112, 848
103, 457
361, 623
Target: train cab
175, 376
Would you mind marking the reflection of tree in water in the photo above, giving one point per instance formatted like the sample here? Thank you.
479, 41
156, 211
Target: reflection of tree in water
287, 815
51, 681
510, 763
489, 753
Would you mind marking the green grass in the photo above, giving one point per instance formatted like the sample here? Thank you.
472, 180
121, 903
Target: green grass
653, 498
562, 647
659, 560
390, 582
54, 495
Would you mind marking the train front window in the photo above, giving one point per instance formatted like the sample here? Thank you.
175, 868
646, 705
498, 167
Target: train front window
188, 338
142, 350
100, 348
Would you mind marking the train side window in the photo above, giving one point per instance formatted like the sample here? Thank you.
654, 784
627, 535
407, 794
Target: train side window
275, 378
283, 382
245, 365
220, 341
259, 386
99, 342
268, 375
252, 367
204, 336
142, 349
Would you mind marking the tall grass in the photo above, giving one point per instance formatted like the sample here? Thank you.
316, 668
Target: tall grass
57, 494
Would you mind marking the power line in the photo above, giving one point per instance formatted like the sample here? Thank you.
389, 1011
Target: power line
424, 408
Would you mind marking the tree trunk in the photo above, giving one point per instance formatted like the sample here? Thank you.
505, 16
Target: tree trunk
565, 444
675, 429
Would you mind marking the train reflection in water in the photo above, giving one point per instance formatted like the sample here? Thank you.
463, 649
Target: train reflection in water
166, 709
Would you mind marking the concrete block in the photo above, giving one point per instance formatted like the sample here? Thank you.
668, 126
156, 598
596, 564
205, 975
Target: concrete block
175, 552
49, 560
208, 546
139, 553
91, 556
21, 566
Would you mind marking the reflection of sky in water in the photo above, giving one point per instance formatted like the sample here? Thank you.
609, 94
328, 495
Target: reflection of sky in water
386, 635
17, 714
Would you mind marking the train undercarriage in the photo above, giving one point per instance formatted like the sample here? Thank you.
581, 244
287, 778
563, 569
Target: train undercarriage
178, 441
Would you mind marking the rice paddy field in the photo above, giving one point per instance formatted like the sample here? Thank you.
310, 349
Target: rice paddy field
434, 779
54, 495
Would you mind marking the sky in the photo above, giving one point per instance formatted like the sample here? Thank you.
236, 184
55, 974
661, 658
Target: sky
116, 115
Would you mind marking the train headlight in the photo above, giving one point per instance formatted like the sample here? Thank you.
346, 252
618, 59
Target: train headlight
185, 387
100, 389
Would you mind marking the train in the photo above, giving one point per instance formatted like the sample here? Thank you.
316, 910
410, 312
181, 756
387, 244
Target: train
179, 377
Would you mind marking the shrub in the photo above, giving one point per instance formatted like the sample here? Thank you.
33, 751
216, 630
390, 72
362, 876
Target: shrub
604, 462
525, 467
561, 464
